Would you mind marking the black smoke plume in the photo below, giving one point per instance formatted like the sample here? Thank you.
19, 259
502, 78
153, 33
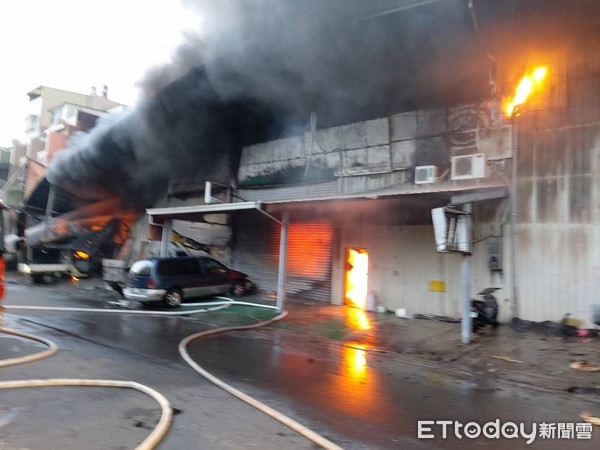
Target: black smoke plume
257, 66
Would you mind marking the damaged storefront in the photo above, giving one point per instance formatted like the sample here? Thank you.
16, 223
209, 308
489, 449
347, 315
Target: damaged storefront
374, 251
361, 194
310, 244
359, 228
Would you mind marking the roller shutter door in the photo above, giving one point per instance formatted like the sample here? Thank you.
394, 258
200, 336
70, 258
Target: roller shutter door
310, 245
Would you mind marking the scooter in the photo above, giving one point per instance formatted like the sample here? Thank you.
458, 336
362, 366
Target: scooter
484, 312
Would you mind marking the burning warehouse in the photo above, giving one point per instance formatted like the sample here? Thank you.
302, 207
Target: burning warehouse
352, 122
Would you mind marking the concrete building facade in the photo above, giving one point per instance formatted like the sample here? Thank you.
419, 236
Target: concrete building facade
373, 202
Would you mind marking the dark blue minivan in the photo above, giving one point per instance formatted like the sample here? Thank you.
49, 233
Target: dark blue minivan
171, 280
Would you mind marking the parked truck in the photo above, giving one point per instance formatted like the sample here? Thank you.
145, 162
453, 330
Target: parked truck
76, 255
46, 263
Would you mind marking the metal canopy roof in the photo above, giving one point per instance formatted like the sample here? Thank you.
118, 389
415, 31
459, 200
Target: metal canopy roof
464, 192
158, 215
447, 188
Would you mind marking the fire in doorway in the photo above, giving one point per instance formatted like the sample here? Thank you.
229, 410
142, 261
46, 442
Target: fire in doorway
356, 278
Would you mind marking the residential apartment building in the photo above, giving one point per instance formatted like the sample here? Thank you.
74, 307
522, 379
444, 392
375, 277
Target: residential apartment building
53, 116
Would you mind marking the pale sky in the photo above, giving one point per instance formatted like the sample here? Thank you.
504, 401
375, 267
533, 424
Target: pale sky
77, 44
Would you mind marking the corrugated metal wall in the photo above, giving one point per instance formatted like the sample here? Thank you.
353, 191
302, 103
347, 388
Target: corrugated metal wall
558, 249
558, 219
256, 250
290, 192
403, 261
310, 246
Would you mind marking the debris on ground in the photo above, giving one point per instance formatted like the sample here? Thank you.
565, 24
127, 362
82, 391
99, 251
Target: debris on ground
585, 366
583, 390
546, 327
436, 317
586, 332
590, 419
507, 358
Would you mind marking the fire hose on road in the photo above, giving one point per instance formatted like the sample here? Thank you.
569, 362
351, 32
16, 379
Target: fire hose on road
151, 441
309, 434
166, 418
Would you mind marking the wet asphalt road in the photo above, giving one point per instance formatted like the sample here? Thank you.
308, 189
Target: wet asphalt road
355, 398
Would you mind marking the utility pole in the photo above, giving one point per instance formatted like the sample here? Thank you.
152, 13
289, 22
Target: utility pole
513, 218
466, 282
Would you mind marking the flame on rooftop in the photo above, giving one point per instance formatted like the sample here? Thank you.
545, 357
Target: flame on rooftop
530, 83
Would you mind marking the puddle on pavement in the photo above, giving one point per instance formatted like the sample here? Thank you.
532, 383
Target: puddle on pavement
14, 347
8, 415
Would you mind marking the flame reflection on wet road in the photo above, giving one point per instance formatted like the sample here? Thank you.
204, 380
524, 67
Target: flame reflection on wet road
362, 399
334, 385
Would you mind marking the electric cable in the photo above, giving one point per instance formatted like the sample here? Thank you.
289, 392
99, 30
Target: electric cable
502, 221
493, 62
478, 31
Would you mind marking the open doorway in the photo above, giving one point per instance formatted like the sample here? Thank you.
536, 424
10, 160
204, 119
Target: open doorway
356, 277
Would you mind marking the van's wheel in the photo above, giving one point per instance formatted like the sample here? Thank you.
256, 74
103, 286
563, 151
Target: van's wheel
43, 278
117, 287
173, 298
238, 288
49, 278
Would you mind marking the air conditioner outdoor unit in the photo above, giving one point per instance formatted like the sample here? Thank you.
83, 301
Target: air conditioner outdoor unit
467, 167
425, 174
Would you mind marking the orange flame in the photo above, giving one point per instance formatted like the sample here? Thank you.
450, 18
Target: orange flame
81, 255
96, 216
356, 277
526, 86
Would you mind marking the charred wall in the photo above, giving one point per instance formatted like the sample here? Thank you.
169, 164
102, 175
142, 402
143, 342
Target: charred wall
559, 188
379, 153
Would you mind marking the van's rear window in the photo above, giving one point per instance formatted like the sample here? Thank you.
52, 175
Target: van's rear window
141, 268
